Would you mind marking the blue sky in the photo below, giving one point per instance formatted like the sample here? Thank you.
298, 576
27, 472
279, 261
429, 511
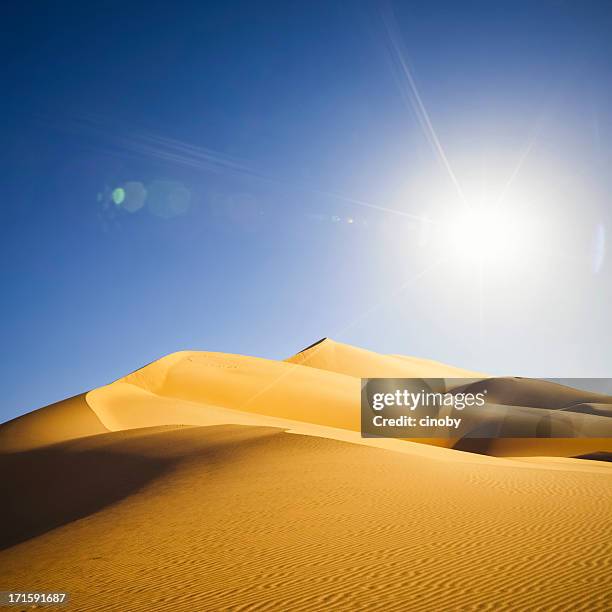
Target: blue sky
298, 161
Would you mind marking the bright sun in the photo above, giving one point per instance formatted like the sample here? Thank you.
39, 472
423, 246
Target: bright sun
486, 235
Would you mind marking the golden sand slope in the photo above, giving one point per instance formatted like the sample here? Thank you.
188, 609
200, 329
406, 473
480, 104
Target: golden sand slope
207, 481
66, 420
237, 518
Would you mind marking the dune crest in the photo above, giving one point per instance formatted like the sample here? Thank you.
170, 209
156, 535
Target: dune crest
327, 354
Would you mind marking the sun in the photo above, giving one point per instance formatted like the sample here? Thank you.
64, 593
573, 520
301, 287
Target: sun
486, 235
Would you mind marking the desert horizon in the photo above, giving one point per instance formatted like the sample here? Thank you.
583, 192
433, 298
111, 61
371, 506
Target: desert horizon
257, 491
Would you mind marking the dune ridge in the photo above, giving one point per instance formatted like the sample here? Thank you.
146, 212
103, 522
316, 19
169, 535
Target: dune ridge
317, 386
68, 419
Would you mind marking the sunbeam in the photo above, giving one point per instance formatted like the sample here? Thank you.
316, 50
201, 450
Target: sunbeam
410, 92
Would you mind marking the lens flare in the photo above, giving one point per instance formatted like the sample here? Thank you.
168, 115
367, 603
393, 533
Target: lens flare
118, 195
168, 199
134, 196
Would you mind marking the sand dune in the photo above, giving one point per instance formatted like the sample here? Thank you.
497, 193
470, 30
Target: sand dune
318, 386
208, 481
234, 517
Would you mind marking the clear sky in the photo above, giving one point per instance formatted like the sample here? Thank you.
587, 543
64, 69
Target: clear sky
250, 177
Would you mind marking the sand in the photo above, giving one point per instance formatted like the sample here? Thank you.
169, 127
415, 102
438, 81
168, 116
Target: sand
207, 481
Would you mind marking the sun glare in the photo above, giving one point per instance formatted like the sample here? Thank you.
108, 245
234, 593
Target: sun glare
486, 235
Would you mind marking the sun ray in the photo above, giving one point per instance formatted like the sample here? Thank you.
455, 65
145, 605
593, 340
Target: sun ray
525, 154
411, 93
